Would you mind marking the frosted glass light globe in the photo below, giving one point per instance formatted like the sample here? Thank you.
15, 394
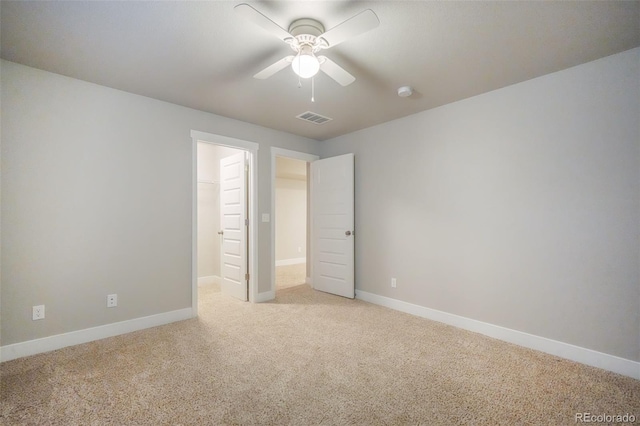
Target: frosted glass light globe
306, 65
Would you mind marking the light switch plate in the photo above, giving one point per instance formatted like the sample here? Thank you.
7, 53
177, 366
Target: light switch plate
266, 217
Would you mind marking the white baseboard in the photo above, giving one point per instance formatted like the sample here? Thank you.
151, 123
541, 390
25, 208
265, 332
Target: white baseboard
208, 280
563, 350
265, 296
59, 341
285, 262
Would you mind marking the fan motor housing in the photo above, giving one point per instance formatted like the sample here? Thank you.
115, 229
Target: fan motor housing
306, 26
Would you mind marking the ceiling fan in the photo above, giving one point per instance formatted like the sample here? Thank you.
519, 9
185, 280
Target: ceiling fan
307, 37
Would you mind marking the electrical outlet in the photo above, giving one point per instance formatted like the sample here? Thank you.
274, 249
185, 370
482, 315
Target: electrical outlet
38, 312
112, 300
393, 283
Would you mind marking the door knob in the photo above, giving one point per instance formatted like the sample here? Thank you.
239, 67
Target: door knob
347, 233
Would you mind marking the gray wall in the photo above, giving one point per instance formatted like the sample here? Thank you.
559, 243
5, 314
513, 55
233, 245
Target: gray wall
519, 207
96, 199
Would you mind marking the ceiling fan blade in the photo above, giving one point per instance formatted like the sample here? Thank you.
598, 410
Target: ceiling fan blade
335, 71
356, 25
259, 19
274, 68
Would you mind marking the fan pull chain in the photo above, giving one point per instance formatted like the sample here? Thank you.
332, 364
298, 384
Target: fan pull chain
313, 89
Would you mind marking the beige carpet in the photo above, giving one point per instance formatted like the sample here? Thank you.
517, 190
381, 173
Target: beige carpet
308, 358
290, 275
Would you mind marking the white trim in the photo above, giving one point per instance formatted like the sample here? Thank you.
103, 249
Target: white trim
194, 226
252, 149
224, 140
281, 152
208, 280
286, 262
265, 296
563, 350
308, 281
59, 341
253, 225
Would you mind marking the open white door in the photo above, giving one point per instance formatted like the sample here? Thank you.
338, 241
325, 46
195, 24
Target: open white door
233, 215
332, 216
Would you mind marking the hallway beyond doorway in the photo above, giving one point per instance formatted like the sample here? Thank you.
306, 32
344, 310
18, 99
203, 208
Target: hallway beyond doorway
290, 275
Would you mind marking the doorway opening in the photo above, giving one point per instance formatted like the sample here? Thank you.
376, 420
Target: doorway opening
290, 201
224, 211
210, 206
291, 235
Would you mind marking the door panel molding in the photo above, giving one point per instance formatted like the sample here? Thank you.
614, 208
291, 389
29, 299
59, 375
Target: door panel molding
233, 212
333, 220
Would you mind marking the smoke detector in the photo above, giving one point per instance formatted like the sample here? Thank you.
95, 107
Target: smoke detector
405, 91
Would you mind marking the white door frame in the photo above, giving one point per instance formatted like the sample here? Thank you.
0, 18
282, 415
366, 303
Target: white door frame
281, 152
252, 149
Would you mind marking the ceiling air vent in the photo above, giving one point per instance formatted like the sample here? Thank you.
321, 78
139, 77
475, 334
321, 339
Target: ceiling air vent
314, 118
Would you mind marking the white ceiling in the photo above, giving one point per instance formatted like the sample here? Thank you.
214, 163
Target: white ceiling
202, 55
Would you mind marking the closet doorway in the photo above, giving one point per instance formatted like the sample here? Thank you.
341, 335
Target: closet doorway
290, 225
222, 203
224, 214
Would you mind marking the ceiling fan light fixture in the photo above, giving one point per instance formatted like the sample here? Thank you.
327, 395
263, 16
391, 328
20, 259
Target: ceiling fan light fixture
306, 37
305, 64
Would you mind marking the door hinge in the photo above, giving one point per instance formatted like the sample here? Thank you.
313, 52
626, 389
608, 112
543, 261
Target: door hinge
246, 277
246, 222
